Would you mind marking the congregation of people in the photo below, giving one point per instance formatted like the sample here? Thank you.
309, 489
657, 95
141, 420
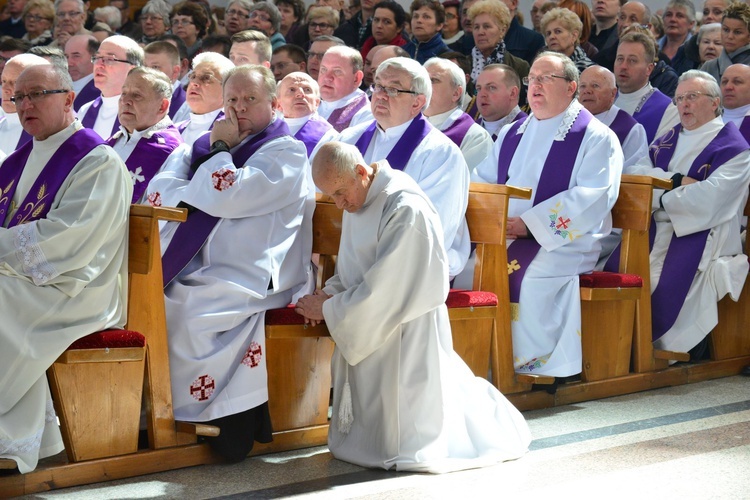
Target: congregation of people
241, 114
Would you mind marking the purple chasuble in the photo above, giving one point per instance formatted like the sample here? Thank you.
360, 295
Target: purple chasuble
88, 93
473, 111
622, 125
311, 132
651, 113
340, 118
192, 234
182, 126
89, 120
178, 99
554, 179
148, 156
41, 195
404, 148
745, 128
459, 128
684, 252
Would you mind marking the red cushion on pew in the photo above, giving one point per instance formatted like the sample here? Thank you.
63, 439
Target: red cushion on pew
284, 316
468, 298
599, 279
109, 339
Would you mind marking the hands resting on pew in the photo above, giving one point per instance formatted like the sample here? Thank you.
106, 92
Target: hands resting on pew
311, 307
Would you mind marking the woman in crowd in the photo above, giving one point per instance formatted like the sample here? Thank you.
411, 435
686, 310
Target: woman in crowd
709, 42
452, 31
583, 12
154, 20
490, 20
679, 19
562, 29
427, 19
292, 13
735, 39
190, 24
38, 17
387, 26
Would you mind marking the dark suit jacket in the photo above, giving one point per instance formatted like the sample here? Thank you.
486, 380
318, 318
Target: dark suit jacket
523, 42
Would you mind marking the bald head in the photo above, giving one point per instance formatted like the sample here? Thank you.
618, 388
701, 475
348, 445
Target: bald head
298, 95
596, 89
735, 86
13, 69
387, 52
340, 171
632, 13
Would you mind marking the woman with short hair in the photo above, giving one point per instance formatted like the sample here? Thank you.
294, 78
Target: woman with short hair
190, 23
38, 18
735, 39
490, 20
562, 30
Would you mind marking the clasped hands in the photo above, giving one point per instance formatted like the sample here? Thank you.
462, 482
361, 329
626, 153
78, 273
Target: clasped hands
311, 307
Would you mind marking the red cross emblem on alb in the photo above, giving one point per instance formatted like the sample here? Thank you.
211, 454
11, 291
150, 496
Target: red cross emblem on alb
203, 387
253, 355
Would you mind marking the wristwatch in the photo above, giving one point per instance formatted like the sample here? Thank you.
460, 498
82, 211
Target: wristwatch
219, 146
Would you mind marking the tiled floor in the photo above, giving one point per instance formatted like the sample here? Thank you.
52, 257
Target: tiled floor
681, 442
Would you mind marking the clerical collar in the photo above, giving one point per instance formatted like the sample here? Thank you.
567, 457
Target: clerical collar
293, 122
736, 115
82, 82
439, 119
567, 118
205, 117
147, 133
341, 102
110, 102
396, 131
715, 124
55, 140
494, 126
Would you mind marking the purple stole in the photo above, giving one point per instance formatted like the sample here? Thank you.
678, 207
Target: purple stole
178, 99
311, 132
554, 179
459, 128
39, 199
192, 234
622, 125
404, 148
520, 116
92, 114
88, 93
184, 124
684, 252
473, 111
25, 136
341, 117
745, 128
651, 113
148, 156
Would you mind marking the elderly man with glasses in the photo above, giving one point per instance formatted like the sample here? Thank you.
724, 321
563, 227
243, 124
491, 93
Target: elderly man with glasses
116, 56
403, 136
63, 242
573, 164
70, 16
696, 256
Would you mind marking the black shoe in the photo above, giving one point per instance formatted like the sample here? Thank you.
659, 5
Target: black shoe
746, 371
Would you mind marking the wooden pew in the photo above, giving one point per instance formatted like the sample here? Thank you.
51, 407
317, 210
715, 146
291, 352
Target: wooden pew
172, 444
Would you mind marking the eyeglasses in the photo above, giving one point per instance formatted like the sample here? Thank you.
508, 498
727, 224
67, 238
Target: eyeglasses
182, 22
687, 97
35, 96
390, 91
63, 15
35, 18
315, 55
238, 13
204, 79
541, 80
319, 26
260, 15
108, 60
152, 18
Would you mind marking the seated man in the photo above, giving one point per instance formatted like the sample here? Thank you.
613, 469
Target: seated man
247, 178
597, 92
63, 254
573, 164
445, 113
696, 256
116, 56
165, 57
394, 370
204, 99
79, 50
401, 135
146, 136
12, 134
498, 90
287, 59
735, 97
633, 66
299, 98
250, 47
344, 104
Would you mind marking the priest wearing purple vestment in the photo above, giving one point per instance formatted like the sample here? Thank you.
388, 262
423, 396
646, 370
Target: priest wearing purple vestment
12, 134
79, 50
696, 258
498, 91
166, 58
299, 98
344, 104
735, 97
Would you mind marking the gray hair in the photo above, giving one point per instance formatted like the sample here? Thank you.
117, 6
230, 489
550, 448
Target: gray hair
271, 10
243, 4
80, 3
570, 72
111, 15
685, 4
337, 157
158, 81
708, 28
420, 79
710, 86
249, 70
327, 38
458, 77
158, 8
52, 54
215, 59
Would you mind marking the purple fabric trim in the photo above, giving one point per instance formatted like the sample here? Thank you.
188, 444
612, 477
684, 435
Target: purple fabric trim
459, 128
311, 132
149, 155
38, 201
745, 128
178, 99
192, 234
622, 125
89, 120
88, 93
554, 179
473, 111
684, 253
340, 118
401, 153
651, 113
